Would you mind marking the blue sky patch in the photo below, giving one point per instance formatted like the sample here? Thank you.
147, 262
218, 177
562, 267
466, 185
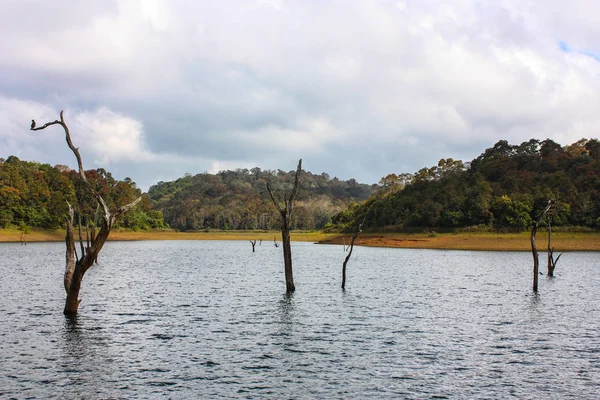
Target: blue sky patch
564, 46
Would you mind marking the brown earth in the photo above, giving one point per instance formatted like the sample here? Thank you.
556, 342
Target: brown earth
12, 235
561, 241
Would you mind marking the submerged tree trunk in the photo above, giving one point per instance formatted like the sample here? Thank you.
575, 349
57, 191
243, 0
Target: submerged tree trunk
349, 254
76, 265
253, 242
286, 216
536, 261
550, 268
551, 261
72, 302
287, 257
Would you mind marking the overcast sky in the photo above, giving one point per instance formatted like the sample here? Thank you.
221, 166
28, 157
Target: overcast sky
358, 88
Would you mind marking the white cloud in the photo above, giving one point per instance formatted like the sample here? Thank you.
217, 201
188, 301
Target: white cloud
199, 84
112, 137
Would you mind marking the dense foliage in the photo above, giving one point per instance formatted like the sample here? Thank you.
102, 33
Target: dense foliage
506, 187
239, 199
36, 195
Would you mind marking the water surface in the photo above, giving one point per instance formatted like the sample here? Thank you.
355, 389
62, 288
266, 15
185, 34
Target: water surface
204, 319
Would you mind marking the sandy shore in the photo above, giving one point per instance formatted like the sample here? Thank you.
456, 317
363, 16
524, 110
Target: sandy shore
561, 241
12, 235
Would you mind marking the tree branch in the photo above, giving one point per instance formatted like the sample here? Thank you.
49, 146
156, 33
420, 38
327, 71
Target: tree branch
70, 253
358, 232
273, 198
125, 208
290, 202
47, 124
80, 238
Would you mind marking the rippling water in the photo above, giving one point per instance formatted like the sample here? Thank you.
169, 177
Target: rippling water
201, 319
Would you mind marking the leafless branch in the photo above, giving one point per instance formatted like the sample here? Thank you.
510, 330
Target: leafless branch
290, 202
75, 151
80, 237
358, 232
125, 208
534, 246
273, 198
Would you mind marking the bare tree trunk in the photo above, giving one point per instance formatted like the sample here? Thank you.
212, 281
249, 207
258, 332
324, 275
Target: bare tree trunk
253, 242
351, 247
551, 261
72, 302
70, 253
550, 250
536, 261
76, 266
286, 216
287, 257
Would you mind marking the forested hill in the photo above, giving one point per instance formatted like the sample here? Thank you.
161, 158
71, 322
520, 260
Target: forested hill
506, 187
36, 195
239, 199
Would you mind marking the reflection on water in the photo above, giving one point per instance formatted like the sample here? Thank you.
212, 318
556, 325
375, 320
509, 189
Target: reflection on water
210, 320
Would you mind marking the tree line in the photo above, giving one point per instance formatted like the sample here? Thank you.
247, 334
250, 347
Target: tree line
36, 195
505, 188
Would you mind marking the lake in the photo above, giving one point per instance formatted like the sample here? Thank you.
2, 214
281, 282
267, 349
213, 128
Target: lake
210, 319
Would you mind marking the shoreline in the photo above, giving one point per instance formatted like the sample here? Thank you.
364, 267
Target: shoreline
480, 241
484, 241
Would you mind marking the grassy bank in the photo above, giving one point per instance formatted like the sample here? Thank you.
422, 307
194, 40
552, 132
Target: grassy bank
561, 241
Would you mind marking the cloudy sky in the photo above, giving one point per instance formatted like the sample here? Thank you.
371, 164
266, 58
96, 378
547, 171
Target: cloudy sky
154, 89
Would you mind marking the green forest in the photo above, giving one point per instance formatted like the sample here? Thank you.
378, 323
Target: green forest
505, 188
35, 195
239, 199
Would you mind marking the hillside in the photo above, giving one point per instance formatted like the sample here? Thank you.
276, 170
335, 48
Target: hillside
504, 188
35, 195
239, 199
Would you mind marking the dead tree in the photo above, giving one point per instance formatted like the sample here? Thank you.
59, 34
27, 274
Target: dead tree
286, 217
536, 261
253, 242
23, 232
275, 243
551, 261
23, 238
78, 264
351, 247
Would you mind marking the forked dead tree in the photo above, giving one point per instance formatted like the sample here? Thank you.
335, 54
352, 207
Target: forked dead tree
536, 261
551, 261
286, 217
253, 242
351, 247
78, 264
